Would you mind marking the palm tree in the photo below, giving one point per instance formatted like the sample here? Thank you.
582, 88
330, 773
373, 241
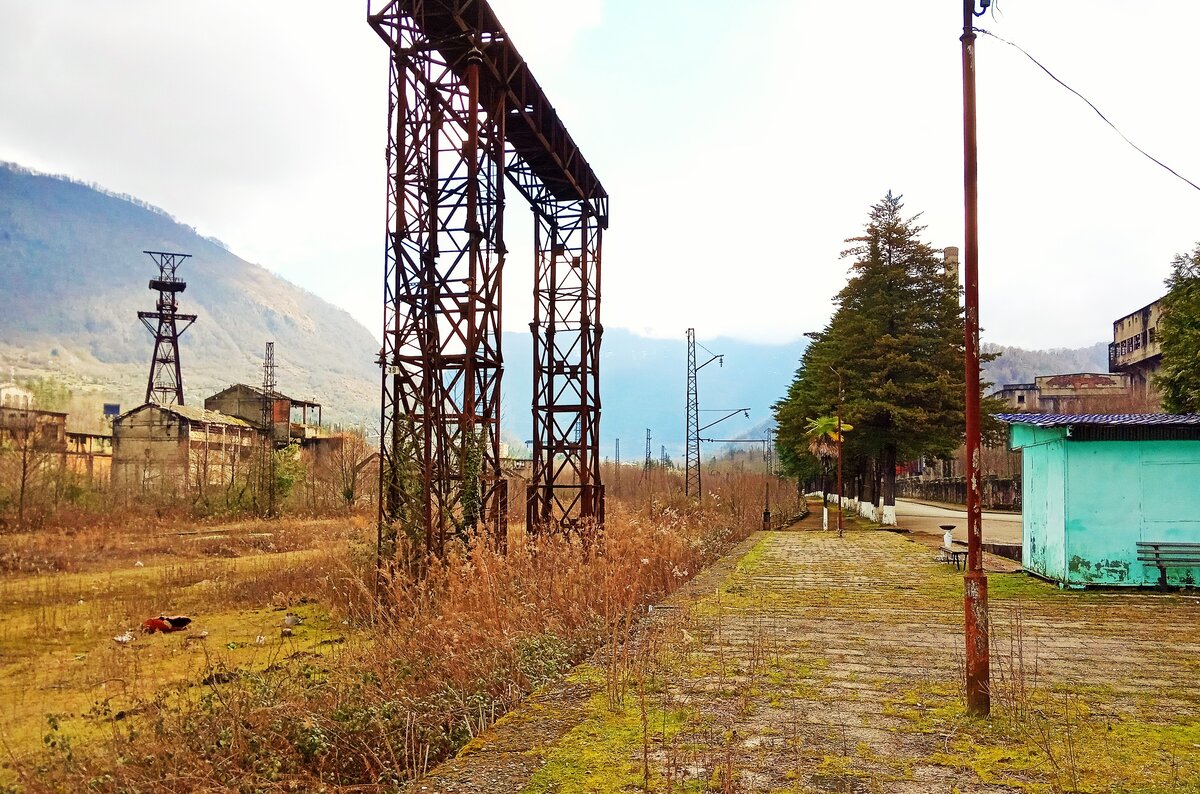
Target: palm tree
823, 438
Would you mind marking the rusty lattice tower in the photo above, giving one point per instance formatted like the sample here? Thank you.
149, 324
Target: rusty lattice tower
465, 117
165, 384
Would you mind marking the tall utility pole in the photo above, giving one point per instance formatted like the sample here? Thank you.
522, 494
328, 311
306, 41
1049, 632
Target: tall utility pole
649, 460
691, 479
268, 425
769, 467
975, 603
165, 385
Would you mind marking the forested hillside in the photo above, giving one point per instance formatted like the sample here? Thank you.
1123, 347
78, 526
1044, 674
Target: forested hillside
1016, 365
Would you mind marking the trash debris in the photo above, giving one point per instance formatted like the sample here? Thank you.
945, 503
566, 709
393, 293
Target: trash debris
165, 624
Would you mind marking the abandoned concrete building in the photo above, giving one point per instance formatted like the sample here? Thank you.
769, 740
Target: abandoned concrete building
290, 418
13, 395
1136, 350
176, 448
89, 455
1076, 393
30, 428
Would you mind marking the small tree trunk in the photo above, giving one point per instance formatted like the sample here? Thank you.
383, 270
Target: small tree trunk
870, 494
24, 485
887, 466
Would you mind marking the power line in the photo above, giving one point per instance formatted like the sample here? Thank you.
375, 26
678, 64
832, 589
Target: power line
1055, 78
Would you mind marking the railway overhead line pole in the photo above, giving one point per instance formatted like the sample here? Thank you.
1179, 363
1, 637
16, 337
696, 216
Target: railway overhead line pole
466, 118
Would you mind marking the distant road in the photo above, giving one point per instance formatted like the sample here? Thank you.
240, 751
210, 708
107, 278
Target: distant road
997, 527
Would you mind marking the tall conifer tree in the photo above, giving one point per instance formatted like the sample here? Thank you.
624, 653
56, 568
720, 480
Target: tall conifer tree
1179, 332
896, 338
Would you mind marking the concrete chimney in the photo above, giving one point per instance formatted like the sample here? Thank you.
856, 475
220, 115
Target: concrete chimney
950, 262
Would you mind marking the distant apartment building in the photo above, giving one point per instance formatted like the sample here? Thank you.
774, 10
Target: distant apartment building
1136, 349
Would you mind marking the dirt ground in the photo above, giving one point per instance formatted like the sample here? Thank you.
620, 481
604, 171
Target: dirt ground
804, 662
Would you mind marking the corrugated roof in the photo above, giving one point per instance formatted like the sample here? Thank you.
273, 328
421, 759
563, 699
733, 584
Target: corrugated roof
1104, 420
193, 414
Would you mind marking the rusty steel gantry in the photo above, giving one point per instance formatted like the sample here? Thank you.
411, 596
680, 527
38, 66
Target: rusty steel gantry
165, 384
465, 117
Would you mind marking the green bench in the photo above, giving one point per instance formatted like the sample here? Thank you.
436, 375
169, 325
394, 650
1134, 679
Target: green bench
1164, 555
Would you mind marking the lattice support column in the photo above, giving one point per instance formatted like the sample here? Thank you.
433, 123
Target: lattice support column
566, 492
440, 406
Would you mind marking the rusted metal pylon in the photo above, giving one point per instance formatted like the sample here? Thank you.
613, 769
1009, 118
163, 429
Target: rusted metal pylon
465, 114
165, 384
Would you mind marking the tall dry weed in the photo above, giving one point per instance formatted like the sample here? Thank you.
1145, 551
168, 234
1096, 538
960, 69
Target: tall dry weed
425, 669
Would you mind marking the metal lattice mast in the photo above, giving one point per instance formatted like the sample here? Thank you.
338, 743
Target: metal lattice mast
268, 426
649, 461
691, 478
165, 384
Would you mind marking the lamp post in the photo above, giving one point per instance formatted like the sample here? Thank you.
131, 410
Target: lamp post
975, 604
841, 395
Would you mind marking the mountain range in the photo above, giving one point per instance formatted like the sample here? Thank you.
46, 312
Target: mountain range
73, 277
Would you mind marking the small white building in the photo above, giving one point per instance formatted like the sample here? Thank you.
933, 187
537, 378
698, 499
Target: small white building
15, 396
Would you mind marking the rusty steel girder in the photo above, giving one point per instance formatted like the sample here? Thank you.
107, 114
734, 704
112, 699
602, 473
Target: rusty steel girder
465, 114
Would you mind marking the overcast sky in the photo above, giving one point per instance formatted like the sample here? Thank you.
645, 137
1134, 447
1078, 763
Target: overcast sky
739, 151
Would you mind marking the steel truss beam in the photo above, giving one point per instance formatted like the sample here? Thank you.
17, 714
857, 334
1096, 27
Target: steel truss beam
464, 114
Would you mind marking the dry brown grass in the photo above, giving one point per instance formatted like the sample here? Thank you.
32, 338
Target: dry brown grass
404, 685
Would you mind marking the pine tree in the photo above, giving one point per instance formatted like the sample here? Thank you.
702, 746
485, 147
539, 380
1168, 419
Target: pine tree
896, 339
1179, 330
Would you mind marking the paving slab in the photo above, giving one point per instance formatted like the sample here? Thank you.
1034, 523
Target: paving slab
807, 662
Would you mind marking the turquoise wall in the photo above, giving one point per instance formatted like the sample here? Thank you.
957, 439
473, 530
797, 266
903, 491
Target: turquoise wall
1087, 503
1043, 507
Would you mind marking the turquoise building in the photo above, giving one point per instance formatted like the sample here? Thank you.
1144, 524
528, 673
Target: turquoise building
1094, 485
